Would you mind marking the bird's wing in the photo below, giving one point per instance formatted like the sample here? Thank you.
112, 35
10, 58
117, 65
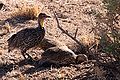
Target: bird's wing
11, 38
28, 36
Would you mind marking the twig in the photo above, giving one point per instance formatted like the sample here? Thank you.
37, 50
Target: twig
76, 33
65, 31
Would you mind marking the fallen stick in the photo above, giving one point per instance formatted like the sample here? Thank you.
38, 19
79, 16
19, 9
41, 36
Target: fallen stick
58, 25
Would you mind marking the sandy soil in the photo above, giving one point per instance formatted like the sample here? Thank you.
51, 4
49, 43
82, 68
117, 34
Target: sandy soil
72, 14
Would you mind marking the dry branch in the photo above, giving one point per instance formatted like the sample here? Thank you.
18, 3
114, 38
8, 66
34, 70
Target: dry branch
76, 33
58, 25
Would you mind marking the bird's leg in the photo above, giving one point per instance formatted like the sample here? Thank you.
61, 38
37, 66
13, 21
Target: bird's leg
29, 57
23, 53
9, 50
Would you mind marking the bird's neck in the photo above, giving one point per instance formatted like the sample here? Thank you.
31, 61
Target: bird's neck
41, 23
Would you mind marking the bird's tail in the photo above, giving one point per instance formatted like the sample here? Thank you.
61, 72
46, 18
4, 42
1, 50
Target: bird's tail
9, 50
11, 38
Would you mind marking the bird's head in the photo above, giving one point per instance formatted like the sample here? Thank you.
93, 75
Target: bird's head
41, 18
81, 58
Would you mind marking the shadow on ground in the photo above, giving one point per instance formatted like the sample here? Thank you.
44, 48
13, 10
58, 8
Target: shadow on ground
36, 63
9, 67
17, 19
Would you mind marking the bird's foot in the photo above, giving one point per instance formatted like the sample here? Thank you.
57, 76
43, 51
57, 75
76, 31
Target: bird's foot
29, 58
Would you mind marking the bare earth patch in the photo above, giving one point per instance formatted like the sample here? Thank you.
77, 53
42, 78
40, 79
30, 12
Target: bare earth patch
72, 15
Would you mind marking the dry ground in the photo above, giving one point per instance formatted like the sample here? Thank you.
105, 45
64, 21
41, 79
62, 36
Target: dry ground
72, 14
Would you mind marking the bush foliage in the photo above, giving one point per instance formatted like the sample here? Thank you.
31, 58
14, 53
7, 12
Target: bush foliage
109, 28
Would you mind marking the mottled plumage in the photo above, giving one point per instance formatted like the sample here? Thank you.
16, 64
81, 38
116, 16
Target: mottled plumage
58, 55
26, 38
29, 37
50, 42
62, 56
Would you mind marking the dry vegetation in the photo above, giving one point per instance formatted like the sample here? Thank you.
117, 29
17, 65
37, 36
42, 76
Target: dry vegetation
92, 25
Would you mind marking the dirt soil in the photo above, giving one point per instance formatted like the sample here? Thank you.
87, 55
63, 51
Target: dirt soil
72, 14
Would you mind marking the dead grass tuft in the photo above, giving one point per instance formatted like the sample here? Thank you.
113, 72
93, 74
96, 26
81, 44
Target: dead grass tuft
21, 77
87, 39
26, 12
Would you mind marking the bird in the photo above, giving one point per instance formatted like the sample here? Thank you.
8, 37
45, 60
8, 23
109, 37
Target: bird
48, 42
58, 52
78, 49
28, 38
61, 56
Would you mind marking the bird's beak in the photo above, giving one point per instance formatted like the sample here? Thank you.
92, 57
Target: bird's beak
47, 16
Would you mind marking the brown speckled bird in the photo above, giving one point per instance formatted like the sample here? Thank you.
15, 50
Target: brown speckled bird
48, 42
62, 55
29, 37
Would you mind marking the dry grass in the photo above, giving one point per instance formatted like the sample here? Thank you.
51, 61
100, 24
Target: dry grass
87, 39
26, 12
12, 65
